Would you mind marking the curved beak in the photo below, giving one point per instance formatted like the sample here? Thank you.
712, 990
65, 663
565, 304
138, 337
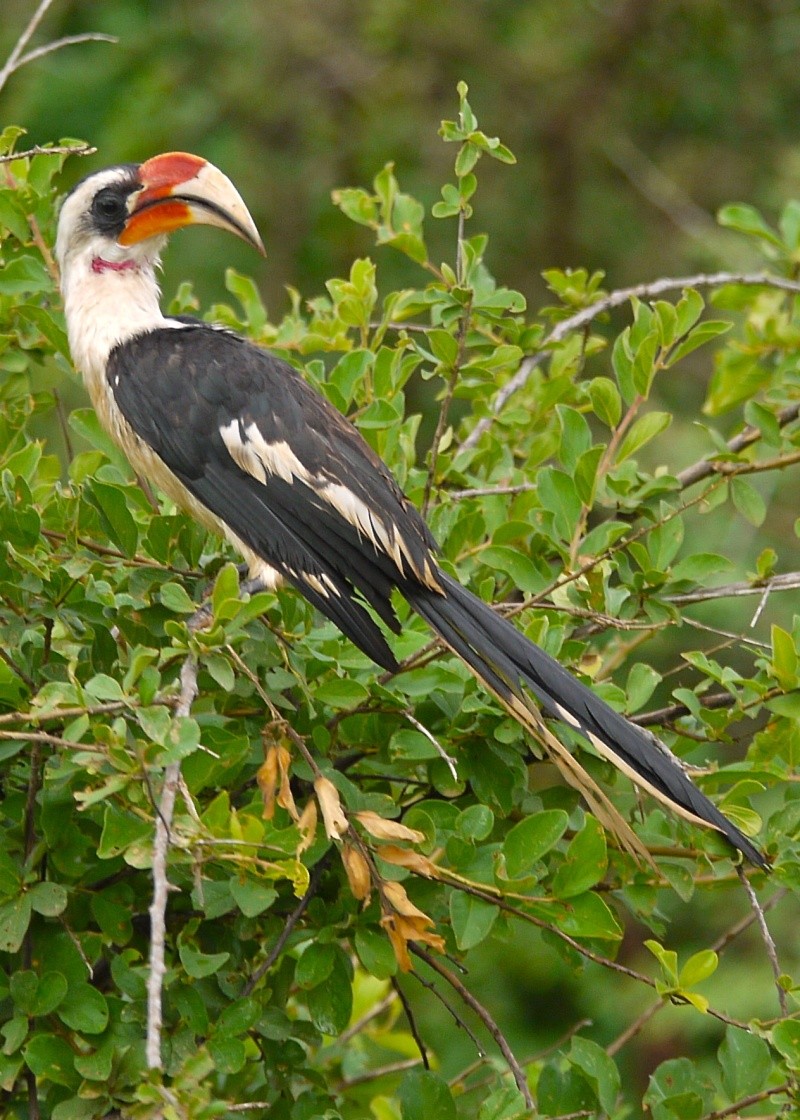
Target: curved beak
179, 189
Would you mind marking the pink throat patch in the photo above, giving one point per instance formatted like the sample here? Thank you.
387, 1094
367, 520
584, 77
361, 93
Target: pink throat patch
100, 264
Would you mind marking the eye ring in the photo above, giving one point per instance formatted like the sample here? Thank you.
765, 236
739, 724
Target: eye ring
109, 208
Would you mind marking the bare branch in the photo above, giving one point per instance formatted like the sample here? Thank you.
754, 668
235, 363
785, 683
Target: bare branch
412, 1022
16, 60
161, 886
708, 466
291, 922
56, 150
484, 1016
766, 937
786, 581
736, 1108
586, 315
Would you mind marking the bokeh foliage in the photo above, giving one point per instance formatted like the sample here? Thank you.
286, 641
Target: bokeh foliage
581, 475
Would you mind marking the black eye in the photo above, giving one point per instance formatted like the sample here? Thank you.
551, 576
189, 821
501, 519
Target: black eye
108, 208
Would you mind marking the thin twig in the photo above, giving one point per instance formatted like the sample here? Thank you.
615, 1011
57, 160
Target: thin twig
745, 1102
55, 150
412, 1023
447, 399
16, 60
375, 1074
374, 1012
466, 995
161, 886
766, 937
291, 922
615, 299
423, 730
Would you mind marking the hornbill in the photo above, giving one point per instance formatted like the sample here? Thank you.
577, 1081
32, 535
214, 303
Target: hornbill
234, 435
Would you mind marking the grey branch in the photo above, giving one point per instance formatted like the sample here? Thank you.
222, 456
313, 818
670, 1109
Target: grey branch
585, 316
161, 886
16, 60
786, 581
56, 150
739, 442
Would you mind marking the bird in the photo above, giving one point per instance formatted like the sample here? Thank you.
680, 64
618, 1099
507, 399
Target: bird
234, 435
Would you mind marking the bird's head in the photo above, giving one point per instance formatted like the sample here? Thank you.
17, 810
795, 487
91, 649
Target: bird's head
118, 219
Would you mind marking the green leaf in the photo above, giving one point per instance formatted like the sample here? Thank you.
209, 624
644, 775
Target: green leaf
786, 1039
315, 965
606, 401
748, 501
678, 1091
14, 1032
228, 1054
341, 692
174, 597
519, 567
375, 953
784, 658
475, 822
112, 504
472, 919
585, 862
197, 964
599, 1069
644, 429
15, 916
531, 839
698, 968
423, 1095
120, 831
745, 1061
50, 990
51, 1059
84, 1009
252, 897
49, 899
745, 219
330, 1005
505, 1103
703, 333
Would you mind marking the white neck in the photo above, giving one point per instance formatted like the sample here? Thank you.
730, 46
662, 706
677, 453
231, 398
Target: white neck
106, 306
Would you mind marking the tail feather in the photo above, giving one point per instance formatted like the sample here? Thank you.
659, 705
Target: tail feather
507, 663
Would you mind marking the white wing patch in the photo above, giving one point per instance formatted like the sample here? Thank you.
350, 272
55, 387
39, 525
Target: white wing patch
262, 460
250, 451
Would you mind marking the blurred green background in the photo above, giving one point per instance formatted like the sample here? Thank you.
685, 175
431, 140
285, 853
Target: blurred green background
632, 122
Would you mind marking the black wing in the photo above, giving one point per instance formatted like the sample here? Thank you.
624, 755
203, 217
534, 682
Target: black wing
272, 460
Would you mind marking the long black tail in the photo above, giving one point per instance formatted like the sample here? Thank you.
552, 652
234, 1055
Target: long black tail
507, 663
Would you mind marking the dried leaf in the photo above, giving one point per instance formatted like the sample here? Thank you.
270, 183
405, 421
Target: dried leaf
307, 823
285, 796
383, 829
405, 857
357, 870
267, 777
336, 824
